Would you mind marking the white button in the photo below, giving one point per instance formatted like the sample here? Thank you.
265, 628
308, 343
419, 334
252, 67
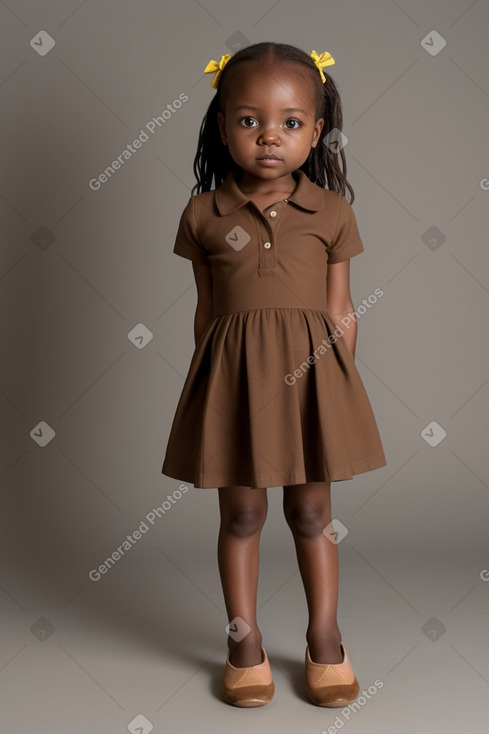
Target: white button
273, 214
267, 245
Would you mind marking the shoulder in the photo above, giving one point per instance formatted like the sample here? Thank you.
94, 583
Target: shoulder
337, 207
333, 198
200, 204
204, 198
312, 196
199, 211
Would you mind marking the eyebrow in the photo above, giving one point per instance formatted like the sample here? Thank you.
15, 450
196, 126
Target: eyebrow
256, 109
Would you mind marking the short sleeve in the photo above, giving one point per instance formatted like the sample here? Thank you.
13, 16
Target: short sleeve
187, 242
347, 241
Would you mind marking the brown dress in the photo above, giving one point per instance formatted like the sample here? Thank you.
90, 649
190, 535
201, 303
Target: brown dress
269, 399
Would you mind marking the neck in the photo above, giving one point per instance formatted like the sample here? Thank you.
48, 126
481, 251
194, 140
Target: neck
251, 185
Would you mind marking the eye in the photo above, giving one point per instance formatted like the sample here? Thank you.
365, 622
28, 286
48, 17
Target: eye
248, 121
295, 123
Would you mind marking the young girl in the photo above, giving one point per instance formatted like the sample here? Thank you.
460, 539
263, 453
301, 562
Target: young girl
273, 396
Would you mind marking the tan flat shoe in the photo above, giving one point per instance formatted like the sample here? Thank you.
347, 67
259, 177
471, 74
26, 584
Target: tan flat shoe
331, 684
248, 687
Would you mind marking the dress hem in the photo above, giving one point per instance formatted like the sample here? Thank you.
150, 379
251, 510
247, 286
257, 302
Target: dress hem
204, 481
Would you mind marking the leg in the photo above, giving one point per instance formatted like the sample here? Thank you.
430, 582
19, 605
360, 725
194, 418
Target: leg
307, 509
243, 512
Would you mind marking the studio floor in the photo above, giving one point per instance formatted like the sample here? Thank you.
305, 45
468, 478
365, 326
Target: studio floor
143, 649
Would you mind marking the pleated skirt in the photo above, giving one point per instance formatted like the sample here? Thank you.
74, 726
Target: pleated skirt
272, 397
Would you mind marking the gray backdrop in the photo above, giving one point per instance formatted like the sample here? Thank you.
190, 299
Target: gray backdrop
97, 329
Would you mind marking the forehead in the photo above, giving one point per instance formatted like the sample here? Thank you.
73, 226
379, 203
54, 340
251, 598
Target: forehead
271, 85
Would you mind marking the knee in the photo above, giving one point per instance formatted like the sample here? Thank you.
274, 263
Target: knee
305, 521
244, 523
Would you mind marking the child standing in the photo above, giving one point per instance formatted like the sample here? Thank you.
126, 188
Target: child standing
272, 396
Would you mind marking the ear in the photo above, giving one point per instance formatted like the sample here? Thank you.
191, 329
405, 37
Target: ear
318, 126
221, 120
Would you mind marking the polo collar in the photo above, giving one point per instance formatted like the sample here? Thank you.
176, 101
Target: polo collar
306, 194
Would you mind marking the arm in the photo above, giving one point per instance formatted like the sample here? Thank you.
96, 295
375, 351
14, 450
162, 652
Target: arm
338, 301
203, 312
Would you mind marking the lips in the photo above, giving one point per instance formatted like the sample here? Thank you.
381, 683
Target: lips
270, 157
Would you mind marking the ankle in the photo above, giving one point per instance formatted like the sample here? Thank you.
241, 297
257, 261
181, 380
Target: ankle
324, 646
326, 635
247, 651
251, 641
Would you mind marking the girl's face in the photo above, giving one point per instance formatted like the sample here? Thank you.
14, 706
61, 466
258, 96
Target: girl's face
269, 122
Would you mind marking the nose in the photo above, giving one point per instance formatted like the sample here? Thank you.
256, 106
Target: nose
269, 136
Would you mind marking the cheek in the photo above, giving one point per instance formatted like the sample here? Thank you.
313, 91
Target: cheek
241, 136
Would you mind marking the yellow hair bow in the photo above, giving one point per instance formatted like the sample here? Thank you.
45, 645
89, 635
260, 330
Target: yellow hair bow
217, 67
325, 59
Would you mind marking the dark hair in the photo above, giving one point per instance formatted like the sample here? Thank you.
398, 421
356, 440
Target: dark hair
324, 166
